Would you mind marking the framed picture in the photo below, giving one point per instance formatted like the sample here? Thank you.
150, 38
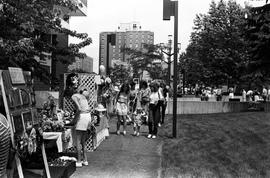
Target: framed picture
25, 97
27, 119
16, 75
35, 117
18, 124
14, 98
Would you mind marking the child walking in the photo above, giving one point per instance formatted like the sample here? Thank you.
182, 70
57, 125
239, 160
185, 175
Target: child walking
122, 100
137, 116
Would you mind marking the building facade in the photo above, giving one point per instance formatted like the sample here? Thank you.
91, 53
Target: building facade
60, 41
128, 35
82, 64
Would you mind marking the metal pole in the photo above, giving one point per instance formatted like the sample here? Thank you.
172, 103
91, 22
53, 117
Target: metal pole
169, 67
175, 69
107, 54
169, 60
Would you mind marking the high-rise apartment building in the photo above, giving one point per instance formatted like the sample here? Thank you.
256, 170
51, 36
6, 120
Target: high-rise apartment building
128, 35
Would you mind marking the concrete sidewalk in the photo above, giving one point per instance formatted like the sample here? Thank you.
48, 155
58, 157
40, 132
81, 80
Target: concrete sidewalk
124, 156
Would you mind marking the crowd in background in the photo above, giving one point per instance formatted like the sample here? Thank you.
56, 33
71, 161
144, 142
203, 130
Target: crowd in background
250, 95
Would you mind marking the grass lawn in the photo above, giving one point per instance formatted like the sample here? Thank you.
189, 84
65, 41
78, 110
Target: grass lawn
217, 145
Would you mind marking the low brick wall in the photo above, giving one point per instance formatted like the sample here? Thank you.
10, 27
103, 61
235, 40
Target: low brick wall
206, 107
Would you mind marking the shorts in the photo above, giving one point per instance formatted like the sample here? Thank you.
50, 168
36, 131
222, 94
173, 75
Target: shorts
137, 120
121, 109
83, 122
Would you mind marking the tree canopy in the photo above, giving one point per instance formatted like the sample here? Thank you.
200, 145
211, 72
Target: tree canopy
24, 29
143, 59
217, 47
258, 35
120, 73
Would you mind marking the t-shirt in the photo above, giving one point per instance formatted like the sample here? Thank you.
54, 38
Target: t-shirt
82, 100
161, 96
154, 97
264, 92
122, 98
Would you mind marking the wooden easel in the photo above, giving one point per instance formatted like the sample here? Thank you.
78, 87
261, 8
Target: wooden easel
8, 115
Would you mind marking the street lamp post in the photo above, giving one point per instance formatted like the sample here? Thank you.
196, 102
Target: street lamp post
170, 8
169, 58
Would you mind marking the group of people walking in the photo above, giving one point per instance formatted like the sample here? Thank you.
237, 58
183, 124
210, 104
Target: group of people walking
144, 104
148, 102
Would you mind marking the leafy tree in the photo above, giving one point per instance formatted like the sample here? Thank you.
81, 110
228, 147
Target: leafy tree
120, 73
218, 47
142, 60
258, 34
24, 29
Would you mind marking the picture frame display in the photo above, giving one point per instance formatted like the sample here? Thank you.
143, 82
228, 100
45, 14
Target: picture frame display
27, 119
25, 97
18, 124
14, 98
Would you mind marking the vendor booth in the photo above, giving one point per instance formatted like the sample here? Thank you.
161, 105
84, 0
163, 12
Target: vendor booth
28, 131
100, 130
18, 108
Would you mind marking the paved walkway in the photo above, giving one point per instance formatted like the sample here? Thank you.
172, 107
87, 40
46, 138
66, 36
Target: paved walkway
124, 156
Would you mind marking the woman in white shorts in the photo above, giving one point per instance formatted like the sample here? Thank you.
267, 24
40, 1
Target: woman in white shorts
83, 121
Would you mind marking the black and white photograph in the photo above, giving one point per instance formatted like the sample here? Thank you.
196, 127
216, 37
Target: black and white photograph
135, 88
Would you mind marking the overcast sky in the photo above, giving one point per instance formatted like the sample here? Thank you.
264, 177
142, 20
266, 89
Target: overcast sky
106, 15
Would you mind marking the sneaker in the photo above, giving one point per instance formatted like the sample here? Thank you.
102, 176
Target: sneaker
85, 163
78, 164
149, 136
154, 136
124, 132
138, 134
118, 132
135, 133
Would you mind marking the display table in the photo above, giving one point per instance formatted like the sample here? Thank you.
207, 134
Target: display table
61, 142
102, 131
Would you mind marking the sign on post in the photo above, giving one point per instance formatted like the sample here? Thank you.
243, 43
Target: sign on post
168, 9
